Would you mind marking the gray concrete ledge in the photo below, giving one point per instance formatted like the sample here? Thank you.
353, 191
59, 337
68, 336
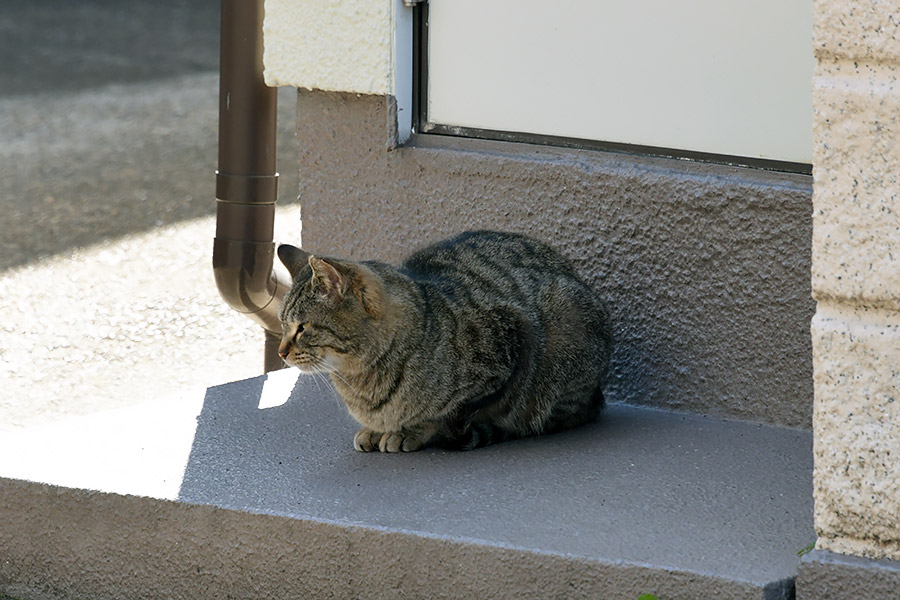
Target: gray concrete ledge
273, 502
827, 575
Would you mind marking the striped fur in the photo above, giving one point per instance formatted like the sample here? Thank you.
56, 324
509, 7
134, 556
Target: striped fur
475, 340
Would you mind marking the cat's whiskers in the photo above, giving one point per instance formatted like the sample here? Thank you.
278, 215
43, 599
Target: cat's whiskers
324, 366
314, 366
320, 379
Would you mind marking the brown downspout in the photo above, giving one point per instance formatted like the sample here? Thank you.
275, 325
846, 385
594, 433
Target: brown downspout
246, 181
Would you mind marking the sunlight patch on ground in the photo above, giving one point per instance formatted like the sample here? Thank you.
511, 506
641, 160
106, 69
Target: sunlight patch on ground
277, 388
127, 321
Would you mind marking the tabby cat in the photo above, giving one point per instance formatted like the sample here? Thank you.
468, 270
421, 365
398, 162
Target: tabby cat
482, 338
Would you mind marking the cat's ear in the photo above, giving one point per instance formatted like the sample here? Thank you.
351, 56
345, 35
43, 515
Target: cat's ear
329, 277
335, 280
370, 292
293, 258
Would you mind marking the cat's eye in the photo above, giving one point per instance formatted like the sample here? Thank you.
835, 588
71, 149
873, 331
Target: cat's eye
297, 329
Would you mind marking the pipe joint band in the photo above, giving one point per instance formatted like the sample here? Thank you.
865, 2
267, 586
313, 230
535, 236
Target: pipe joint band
247, 189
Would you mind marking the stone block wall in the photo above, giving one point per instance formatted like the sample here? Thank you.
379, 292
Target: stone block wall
856, 276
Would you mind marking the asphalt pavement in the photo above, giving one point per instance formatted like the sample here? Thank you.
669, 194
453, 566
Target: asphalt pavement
108, 142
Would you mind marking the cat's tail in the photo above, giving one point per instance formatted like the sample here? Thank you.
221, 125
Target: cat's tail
598, 402
568, 415
477, 435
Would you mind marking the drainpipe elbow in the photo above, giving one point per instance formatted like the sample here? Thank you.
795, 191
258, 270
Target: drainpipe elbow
247, 281
244, 251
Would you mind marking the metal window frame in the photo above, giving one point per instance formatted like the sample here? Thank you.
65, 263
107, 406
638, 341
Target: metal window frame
422, 126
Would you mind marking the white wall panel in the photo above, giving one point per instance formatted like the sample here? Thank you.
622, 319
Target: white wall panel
717, 76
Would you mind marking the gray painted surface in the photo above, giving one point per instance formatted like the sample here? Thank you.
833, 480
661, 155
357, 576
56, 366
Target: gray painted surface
276, 503
735, 497
706, 268
826, 575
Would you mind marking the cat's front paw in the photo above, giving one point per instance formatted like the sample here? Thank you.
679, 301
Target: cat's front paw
367, 440
400, 442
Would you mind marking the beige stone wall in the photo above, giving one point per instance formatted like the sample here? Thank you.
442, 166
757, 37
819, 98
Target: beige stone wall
856, 276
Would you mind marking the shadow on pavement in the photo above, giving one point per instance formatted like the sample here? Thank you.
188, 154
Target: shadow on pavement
109, 121
60, 46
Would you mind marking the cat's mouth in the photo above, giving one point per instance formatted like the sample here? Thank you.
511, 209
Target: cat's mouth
307, 364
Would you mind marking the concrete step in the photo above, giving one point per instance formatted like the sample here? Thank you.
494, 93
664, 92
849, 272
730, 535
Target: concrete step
253, 490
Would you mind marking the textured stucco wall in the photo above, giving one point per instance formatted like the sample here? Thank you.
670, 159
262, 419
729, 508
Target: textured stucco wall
338, 45
108, 547
825, 575
856, 277
706, 268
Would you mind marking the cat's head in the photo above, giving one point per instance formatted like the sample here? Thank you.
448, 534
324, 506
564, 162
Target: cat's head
329, 317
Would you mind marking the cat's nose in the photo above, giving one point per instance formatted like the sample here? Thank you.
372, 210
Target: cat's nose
283, 350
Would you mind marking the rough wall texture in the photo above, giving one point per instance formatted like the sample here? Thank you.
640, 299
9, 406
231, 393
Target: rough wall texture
824, 575
706, 268
108, 547
856, 277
